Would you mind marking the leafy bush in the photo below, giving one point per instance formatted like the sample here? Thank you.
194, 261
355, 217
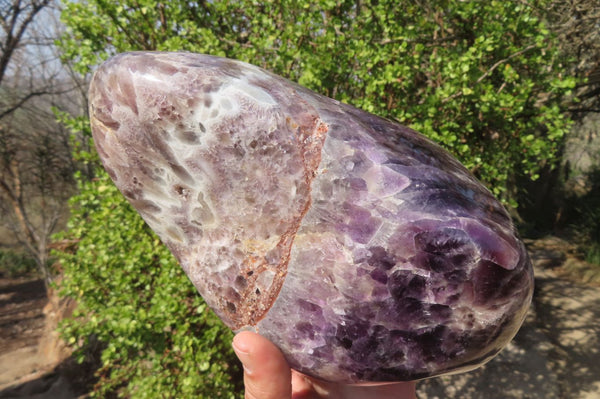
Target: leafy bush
157, 335
583, 211
588, 228
482, 78
16, 264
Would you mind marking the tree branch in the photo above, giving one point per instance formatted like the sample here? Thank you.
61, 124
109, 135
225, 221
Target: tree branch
23, 100
584, 110
12, 39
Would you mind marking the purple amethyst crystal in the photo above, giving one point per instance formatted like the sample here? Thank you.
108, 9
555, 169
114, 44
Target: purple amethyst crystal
360, 248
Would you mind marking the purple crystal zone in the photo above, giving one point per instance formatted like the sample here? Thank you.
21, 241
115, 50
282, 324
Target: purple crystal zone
360, 248
420, 276
419, 270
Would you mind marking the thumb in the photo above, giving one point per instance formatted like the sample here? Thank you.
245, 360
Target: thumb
266, 373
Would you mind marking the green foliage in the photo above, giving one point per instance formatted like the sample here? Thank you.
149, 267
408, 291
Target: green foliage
16, 264
157, 335
593, 254
583, 212
483, 78
81, 136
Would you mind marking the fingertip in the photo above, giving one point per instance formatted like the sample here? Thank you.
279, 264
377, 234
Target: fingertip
266, 372
242, 342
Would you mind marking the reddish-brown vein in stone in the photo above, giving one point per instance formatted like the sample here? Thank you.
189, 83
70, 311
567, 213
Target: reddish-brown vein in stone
256, 304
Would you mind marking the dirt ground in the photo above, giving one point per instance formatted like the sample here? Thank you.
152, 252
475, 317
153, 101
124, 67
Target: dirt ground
21, 327
33, 362
555, 355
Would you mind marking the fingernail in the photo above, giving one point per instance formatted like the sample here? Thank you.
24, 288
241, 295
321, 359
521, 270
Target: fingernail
241, 347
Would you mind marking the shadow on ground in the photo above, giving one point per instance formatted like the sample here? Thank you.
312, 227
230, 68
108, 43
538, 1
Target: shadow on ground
21, 318
51, 385
32, 362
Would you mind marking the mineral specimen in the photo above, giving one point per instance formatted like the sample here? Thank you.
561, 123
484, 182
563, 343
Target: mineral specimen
360, 248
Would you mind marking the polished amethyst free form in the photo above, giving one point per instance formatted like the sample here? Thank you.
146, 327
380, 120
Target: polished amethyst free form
364, 251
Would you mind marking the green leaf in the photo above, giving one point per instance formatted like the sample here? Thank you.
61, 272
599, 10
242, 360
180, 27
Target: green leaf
484, 79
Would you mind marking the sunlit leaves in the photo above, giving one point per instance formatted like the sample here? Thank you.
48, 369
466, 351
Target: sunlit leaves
472, 75
482, 78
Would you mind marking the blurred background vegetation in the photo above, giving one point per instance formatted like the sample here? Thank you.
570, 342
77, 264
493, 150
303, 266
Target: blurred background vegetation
511, 88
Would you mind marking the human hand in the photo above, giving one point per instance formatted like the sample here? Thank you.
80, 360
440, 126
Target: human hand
268, 376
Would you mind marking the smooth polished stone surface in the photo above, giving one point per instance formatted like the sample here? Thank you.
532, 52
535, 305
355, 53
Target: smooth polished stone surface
360, 248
